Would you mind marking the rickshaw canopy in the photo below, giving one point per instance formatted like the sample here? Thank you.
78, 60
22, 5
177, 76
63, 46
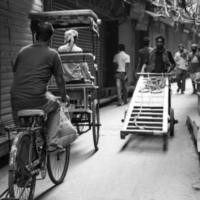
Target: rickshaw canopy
68, 19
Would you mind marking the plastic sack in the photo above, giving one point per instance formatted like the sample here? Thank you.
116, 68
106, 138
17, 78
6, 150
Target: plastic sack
60, 129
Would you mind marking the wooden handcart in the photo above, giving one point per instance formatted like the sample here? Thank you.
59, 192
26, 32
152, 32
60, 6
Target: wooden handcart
150, 109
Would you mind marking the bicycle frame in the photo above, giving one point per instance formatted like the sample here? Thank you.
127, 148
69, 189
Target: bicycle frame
41, 157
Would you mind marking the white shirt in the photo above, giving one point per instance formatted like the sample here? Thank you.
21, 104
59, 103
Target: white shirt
121, 59
74, 71
181, 62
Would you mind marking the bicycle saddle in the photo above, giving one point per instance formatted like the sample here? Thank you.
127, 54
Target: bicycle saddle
30, 112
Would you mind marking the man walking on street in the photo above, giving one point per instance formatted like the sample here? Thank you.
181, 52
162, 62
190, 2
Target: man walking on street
194, 65
161, 60
181, 67
121, 62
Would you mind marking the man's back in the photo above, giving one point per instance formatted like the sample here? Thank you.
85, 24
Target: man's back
33, 69
121, 59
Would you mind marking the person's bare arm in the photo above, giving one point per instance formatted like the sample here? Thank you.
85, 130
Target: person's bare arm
85, 70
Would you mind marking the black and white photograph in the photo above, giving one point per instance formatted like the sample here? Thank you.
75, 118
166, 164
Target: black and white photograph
99, 99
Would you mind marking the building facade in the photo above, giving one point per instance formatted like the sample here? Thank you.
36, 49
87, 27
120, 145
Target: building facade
124, 22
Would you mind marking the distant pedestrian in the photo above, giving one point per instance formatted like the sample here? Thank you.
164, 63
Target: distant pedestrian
160, 60
121, 62
194, 66
180, 58
143, 56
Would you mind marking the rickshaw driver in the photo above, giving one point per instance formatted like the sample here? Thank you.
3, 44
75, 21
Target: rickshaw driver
74, 72
33, 68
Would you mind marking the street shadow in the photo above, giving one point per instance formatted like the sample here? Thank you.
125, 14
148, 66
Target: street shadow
78, 156
144, 143
46, 192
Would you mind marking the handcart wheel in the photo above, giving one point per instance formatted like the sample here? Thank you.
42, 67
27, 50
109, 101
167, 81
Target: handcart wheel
122, 135
165, 142
172, 121
95, 123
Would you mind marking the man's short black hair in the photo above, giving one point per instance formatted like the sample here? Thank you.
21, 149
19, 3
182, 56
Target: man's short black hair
160, 37
43, 30
121, 47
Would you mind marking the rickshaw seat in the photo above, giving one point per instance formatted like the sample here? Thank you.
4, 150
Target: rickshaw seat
30, 112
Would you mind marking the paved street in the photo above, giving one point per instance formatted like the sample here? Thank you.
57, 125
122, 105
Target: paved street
132, 169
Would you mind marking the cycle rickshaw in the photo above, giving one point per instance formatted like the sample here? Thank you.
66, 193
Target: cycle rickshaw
29, 159
84, 97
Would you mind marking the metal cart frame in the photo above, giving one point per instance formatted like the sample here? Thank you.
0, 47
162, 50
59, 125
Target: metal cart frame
150, 109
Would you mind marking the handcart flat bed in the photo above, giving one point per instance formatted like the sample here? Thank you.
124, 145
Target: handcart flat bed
149, 109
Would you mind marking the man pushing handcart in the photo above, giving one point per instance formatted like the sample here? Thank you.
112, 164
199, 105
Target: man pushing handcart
150, 111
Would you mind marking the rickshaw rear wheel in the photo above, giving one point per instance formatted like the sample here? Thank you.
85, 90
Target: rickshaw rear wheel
95, 123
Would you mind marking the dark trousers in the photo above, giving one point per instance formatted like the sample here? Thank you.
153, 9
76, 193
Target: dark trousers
180, 78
